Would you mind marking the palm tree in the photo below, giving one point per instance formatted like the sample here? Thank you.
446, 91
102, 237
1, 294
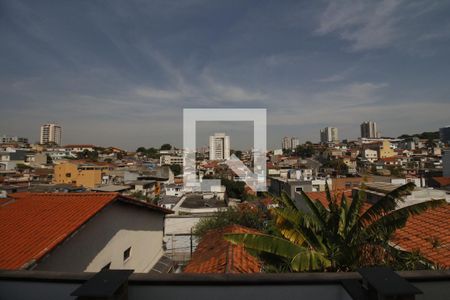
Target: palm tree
340, 237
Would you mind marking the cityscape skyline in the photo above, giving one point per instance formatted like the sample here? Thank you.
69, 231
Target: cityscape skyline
102, 74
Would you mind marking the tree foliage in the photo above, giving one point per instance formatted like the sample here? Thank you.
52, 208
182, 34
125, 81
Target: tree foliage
340, 236
166, 147
244, 215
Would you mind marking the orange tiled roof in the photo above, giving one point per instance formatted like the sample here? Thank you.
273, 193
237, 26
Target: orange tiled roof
443, 181
322, 197
215, 255
429, 233
34, 223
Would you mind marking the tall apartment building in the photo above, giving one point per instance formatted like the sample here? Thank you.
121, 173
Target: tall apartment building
444, 134
329, 135
286, 143
369, 130
51, 133
219, 146
295, 142
289, 142
446, 163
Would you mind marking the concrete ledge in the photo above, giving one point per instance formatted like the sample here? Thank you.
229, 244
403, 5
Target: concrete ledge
220, 279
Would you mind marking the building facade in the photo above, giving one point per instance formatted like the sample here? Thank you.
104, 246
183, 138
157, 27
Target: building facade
51, 133
79, 174
289, 143
329, 135
369, 130
446, 163
219, 146
444, 134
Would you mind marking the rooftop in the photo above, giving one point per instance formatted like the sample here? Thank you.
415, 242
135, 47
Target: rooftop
32, 224
215, 255
429, 233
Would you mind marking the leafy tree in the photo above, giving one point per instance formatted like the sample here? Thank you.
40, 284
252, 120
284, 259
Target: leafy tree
238, 153
22, 167
176, 169
305, 150
235, 189
340, 237
338, 165
244, 215
150, 152
141, 150
88, 155
166, 147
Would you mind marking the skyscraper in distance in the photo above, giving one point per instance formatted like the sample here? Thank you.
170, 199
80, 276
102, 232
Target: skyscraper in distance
219, 146
51, 133
369, 130
329, 135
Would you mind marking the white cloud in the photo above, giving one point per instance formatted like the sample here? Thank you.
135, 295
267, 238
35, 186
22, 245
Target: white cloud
153, 93
366, 24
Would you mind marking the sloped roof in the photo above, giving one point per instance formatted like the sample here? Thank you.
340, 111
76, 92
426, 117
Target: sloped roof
32, 224
215, 255
443, 181
429, 233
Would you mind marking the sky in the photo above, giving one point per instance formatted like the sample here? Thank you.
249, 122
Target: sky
121, 72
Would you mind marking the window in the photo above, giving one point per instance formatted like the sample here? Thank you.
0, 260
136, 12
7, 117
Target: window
298, 189
107, 266
126, 254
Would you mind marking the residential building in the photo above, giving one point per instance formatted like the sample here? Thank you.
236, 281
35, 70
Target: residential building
219, 146
329, 135
80, 232
385, 150
444, 134
446, 163
370, 155
77, 148
295, 142
369, 130
13, 139
51, 133
170, 160
10, 160
174, 190
286, 143
79, 173
289, 143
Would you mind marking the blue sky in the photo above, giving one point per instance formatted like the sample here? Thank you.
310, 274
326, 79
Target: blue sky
120, 72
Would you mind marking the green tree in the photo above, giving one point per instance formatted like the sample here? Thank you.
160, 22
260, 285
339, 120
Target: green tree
305, 150
340, 237
243, 215
176, 169
141, 150
166, 147
235, 189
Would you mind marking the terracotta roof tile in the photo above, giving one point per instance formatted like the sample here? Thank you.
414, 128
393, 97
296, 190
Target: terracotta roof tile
443, 181
215, 255
429, 233
322, 198
32, 224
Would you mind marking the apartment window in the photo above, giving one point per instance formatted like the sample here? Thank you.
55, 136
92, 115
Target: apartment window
126, 254
298, 189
